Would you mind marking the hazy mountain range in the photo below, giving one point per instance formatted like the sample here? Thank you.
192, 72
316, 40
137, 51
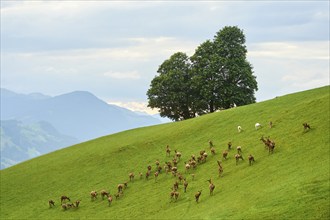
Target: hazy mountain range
36, 124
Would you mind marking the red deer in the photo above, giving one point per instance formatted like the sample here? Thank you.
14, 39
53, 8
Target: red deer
220, 169
64, 198
251, 159
237, 157
77, 203
120, 187
197, 195
176, 185
306, 126
177, 154
175, 162
156, 175
225, 154
131, 176
64, 206
185, 185
159, 169
110, 199
229, 145
211, 186
187, 166
168, 151
268, 144
51, 203
147, 174
264, 141
193, 164
117, 195
93, 195
271, 147
213, 151
174, 194
104, 193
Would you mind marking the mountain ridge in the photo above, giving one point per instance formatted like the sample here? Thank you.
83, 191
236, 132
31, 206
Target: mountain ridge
79, 115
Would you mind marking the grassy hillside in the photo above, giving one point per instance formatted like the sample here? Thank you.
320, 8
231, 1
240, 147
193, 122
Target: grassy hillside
292, 183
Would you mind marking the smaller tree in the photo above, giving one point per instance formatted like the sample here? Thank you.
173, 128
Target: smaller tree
171, 90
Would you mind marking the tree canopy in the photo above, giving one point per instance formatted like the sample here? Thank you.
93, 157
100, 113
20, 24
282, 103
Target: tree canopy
216, 76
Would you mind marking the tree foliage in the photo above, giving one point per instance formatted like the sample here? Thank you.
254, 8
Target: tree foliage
216, 76
171, 90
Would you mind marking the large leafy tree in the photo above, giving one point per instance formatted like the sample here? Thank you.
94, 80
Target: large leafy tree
205, 77
221, 72
239, 83
171, 90
217, 76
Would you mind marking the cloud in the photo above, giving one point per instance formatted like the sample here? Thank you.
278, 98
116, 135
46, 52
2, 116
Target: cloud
286, 67
52, 46
123, 75
135, 106
291, 50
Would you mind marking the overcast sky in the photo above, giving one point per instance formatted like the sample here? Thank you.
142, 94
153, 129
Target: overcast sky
114, 48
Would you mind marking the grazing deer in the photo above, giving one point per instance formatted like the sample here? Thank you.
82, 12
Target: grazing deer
306, 126
225, 154
168, 151
220, 169
51, 203
237, 157
64, 198
211, 186
197, 195
251, 159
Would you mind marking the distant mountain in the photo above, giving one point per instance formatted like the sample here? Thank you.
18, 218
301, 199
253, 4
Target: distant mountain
157, 116
163, 120
20, 142
79, 115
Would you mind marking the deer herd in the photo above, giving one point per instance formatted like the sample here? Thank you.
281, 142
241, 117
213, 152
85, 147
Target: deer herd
172, 167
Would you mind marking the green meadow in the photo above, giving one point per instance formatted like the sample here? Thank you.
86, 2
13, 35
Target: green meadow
291, 183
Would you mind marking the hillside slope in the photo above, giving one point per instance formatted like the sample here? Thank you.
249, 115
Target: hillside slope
291, 183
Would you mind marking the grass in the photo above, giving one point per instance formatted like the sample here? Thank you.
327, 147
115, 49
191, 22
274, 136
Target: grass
292, 183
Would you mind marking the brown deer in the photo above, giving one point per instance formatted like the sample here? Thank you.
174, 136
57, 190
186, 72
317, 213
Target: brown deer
51, 203
168, 151
211, 186
306, 126
185, 185
225, 154
237, 157
220, 169
197, 195
251, 159
64, 198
